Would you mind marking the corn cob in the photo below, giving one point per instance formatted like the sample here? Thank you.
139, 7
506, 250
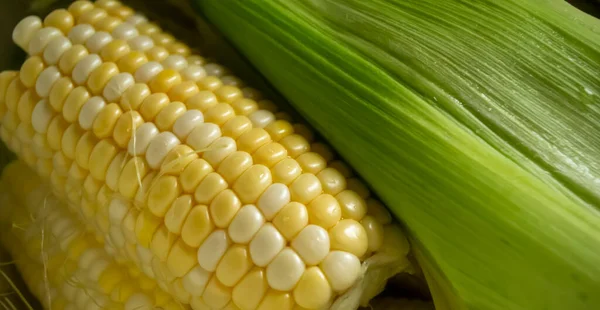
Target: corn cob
62, 263
183, 174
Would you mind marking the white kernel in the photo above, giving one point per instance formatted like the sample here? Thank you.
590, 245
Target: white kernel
117, 85
341, 269
81, 33
25, 30
146, 72
97, 41
159, 147
193, 73
41, 116
213, 69
117, 210
219, 150
84, 68
55, 49
267, 243
136, 19
141, 43
96, 269
125, 31
195, 281
46, 80
203, 135
312, 244
140, 141
89, 111
245, 224
273, 200
187, 122
41, 38
212, 249
139, 301
88, 257
261, 118
175, 62
285, 270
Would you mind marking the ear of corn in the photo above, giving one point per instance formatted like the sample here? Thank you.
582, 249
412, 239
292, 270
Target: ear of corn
184, 175
476, 121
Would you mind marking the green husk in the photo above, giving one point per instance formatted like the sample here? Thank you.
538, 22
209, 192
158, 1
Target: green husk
477, 122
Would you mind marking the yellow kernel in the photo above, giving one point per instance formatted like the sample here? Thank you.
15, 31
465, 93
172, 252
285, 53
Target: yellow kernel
305, 188
209, 187
311, 162
216, 295
234, 265
162, 194
193, 174
224, 207
291, 219
332, 180
30, 70
132, 61
313, 290
100, 76
324, 211
162, 38
133, 97
56, 130
114, 50
157, 53
286, 171
252, 183
197, 226
203, 100
106, 120
108, 23
295, 144
79, 7
165, 80
374, 230
181, 259
244, 106
183, 91
342, 168
60, 19
14, 92
148, 28
168, 115
162, 242
277, 300
236, 126
228, 93
59, 92
125, 127
26, 104
102, 155
219, 114
145, 226
356, 185
352, 205
349, 236
210, 83
92, 16
270, 154
73, 104
84, 148
129, 180
377, 210
70, 139
253, 139
248, 293
179, 49
121, 12
234, 165
152, 105
71, 58
177, 214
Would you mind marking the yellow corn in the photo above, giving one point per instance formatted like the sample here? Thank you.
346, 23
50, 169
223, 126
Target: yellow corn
182, 173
